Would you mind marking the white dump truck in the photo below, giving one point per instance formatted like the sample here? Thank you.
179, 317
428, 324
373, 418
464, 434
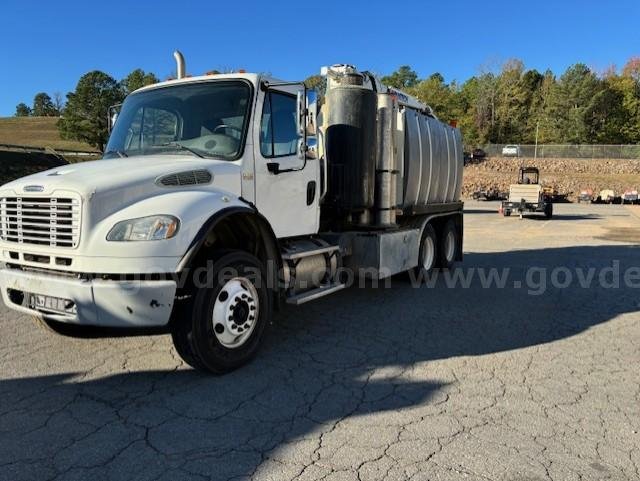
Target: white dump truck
222, 197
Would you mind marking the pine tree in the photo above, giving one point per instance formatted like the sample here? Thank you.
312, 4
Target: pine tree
85, 114
22, 110
138, 78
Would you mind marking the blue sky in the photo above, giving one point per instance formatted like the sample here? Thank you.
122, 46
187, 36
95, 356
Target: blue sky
48, 45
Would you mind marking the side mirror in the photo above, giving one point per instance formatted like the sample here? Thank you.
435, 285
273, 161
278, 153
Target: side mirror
308, 150
306, 112
112, 116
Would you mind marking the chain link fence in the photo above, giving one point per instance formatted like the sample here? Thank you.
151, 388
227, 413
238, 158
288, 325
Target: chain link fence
577, 151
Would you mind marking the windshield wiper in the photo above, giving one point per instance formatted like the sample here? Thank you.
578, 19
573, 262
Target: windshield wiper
119, 153
183, 147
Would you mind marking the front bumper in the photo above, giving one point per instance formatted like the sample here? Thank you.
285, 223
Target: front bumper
107, 303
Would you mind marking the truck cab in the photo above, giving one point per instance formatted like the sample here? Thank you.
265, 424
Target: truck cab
210, 208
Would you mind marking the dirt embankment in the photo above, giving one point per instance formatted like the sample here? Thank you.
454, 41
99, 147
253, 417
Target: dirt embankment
567, 176
14, 165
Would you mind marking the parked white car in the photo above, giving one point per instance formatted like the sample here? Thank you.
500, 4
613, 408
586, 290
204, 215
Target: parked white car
511, 151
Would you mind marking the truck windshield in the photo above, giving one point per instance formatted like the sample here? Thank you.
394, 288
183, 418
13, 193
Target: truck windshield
207, 119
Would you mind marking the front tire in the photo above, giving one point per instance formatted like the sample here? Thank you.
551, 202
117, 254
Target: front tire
226, 322
548, 211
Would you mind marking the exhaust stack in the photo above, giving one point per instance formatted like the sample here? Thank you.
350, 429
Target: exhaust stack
180, 65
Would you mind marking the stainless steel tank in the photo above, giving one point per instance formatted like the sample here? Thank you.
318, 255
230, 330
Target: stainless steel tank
351, 149
385, 150
432, 162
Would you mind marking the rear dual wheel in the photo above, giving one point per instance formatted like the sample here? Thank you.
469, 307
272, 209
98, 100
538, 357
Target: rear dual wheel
437, 250
449, 246
428, 254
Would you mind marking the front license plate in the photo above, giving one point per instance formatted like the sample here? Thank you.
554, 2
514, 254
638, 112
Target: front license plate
49, 303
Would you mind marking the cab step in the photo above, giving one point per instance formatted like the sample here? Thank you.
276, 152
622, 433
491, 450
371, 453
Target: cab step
294, 254
314, 294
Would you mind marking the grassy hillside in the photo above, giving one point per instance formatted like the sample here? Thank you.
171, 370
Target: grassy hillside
36, 132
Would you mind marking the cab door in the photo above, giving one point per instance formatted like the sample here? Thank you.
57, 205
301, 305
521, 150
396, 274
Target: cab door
287, 195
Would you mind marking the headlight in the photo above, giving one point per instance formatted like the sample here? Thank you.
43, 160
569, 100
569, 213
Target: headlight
155, 227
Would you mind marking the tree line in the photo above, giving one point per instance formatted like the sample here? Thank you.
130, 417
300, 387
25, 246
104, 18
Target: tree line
43, 106
83, 116
580, 106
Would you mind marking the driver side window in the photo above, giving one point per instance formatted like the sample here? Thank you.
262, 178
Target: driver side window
278, 133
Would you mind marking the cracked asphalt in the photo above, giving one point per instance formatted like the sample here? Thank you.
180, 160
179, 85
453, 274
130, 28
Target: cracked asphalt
517, 382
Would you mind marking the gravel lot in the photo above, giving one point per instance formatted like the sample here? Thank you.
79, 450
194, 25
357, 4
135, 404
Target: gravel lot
525, 382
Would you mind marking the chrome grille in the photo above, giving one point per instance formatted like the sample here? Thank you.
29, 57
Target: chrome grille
47, 221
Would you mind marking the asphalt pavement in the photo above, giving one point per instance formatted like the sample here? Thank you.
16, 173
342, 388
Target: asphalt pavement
520, 365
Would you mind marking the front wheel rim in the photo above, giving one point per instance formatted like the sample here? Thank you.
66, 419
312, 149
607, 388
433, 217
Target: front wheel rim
235, 312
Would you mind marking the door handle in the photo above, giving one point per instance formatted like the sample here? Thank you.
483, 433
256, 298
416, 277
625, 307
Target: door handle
311, 192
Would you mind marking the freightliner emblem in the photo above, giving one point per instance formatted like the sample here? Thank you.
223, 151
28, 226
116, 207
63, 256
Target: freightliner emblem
34, 188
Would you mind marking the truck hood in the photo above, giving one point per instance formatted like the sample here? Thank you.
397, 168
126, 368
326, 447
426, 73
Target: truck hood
106, 186
133, 174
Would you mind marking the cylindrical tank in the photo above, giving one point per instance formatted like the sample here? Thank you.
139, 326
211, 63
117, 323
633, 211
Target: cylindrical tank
385, 169
308, 271
351, 150
433, 162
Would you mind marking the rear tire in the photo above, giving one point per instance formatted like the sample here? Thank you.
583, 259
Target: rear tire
506, 213
428, 253
222, 328
548, 211
449, 245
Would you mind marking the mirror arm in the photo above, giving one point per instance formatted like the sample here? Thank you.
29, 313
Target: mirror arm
110, 118
305, 113
273, 167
